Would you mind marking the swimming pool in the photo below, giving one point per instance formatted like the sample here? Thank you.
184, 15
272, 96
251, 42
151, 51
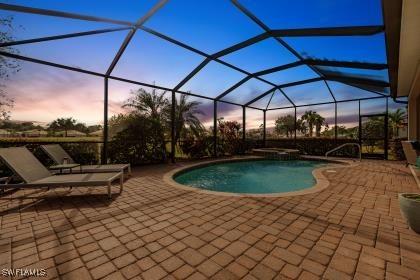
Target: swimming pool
252, 176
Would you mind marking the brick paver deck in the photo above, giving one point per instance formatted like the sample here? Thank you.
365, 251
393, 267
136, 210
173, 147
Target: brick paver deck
154, 231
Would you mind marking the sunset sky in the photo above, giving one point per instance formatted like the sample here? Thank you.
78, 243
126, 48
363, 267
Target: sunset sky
44, 93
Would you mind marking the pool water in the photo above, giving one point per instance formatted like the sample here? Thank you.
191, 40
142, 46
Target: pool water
256, 176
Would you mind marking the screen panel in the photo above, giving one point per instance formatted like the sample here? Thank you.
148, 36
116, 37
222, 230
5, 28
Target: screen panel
254, 124
152, 60
44, 94
126, 10
212, 80
280, 123
346, 92
278, 101
207, 25
378, 75
397, 122
120, 96
284, 14
247, 91
309, 93
229, 112
373, 106
260, 56
79, 52
316, 121
203, 110
31, 26
348, 120
325, 48
290, 75
262, 103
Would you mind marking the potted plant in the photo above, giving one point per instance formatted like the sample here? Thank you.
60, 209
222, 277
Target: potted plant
410, 209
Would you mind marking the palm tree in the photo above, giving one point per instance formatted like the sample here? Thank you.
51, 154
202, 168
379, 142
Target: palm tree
261, 129
186, 113
152, 105
65, 124
396, 119
301, 126
309, 117
319, 121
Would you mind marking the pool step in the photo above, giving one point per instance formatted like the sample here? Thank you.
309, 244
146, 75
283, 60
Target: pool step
274, 153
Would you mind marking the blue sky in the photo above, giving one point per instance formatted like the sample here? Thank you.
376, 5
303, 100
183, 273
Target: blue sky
207, 25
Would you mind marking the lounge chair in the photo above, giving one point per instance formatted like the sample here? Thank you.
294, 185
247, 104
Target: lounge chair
35, 175
59, 155
411, 154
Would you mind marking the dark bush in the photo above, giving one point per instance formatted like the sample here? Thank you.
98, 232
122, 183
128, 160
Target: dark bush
315, 146
197, 148
85, 153
396, 149
139, 143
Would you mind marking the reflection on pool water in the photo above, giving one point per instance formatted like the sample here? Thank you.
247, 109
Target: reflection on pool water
252, 176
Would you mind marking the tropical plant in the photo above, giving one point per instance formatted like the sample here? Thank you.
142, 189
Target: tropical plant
197, 148
139, 142
285, 125
229, 129
319, 121
19, 126
309, 118
65, 124
152, 105
396, 120
313, 119
186, 120
301, 126
156, 108
117, 123
342, 132
230, 134
8, 67
373, 129
261, 130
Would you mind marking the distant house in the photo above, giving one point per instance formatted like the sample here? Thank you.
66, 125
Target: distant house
34, 133
70, 133
4, 133
97, 133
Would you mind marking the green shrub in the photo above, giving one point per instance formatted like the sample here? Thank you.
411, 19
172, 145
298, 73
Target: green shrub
316, 146
197, 148
139, 143
396, 148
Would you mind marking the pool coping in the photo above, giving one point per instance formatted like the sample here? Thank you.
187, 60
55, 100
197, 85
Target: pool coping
321, 180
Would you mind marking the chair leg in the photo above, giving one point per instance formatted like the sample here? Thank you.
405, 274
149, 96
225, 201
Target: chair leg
121, 182
109, 190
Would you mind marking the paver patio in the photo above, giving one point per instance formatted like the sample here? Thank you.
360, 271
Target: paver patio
155, 231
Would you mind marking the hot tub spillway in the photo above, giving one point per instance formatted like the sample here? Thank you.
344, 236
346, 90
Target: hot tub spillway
276, 153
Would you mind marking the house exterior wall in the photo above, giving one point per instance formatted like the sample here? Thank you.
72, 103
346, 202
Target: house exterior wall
414, 109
